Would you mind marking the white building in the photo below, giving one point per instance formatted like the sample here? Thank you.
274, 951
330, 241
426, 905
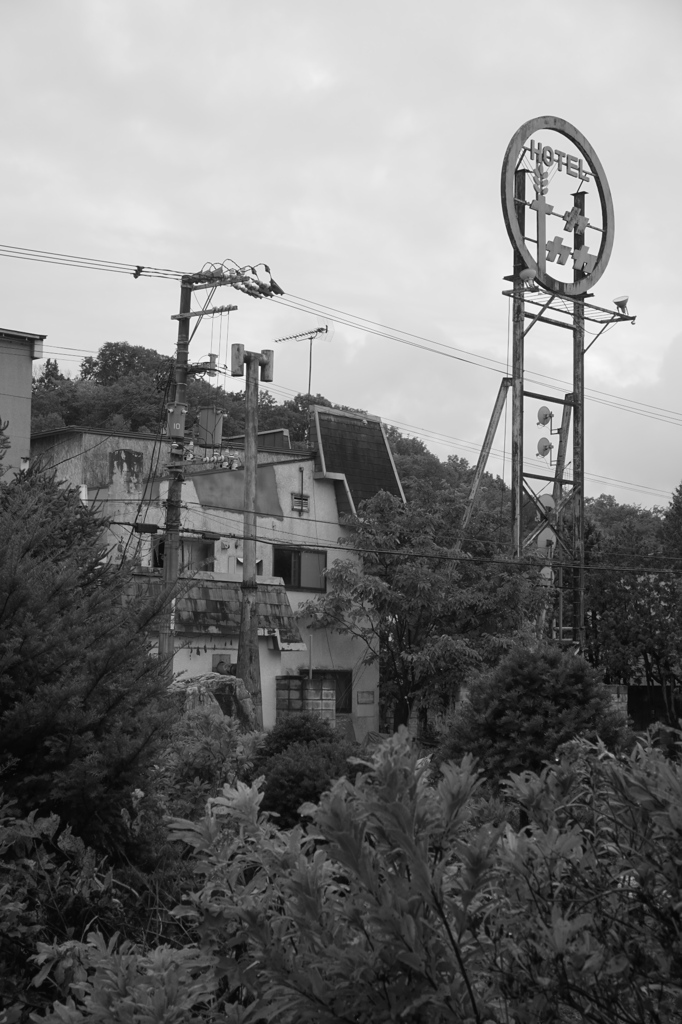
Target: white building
301, 494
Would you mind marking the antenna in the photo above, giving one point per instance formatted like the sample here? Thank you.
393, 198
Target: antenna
621, 304
544, 448
545, 416
312, 334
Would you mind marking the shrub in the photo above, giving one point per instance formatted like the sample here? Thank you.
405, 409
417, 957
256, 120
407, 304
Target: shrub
303, 728
205, 750
51, 885
396, 905
517, 716
301, 773
400, 903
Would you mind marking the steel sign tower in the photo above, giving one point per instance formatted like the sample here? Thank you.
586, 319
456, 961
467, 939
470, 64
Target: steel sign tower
559, 216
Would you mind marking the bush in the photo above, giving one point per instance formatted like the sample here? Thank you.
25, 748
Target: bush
51, 886
518, 716
396, 905
301, 773
205, 750
401, 902
303, 728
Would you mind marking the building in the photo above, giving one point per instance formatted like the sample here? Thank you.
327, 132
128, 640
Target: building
302, 493
17, 352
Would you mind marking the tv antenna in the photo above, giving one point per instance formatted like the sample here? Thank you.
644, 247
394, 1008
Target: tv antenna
302, 336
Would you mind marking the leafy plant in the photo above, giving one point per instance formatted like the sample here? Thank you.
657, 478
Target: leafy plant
51, 884
401, 902
116, 983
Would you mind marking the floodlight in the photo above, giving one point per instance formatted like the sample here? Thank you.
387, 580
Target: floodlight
528, 278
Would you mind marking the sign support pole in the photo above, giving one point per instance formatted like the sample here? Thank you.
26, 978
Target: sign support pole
518, 309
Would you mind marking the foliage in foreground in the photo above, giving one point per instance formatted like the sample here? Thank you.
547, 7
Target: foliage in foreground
397, 905
517, 716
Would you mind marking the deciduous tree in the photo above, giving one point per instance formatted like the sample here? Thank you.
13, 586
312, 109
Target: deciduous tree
424, 607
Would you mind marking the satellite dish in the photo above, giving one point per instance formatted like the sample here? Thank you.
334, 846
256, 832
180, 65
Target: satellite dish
547, 575
547, 500
544, 447
544, 416
546, 538
621, 303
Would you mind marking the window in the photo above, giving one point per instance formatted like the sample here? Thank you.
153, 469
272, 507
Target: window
300, 569
344, 692
196, 555
300, 503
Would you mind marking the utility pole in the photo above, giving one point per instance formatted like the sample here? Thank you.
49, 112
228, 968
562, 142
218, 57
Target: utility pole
248, 661
247, 280
177, 411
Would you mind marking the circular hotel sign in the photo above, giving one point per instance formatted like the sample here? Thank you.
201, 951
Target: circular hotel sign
564, 204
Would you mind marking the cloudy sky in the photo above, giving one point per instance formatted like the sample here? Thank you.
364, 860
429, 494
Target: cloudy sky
355, 147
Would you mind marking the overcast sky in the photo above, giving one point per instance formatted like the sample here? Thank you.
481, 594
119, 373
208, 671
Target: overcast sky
355, 147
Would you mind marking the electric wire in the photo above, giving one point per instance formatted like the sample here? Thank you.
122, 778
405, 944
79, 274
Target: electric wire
671, 417
510, 564
392, 333
311, 307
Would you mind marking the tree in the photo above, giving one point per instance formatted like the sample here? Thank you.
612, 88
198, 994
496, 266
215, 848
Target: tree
49, 378
634, 598
83, 706
4, 444
426, 609
518, 715
117, 359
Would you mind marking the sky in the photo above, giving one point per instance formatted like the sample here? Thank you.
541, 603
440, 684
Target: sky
355, 148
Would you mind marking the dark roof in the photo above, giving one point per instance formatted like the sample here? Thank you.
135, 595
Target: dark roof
214, 607
354, 445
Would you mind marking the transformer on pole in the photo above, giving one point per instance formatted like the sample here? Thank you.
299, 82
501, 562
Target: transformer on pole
557, 207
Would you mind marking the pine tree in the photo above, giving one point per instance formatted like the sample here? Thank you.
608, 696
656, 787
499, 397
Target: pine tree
83, 705
49, 378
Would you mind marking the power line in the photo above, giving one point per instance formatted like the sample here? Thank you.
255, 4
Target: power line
451, 351
313, 308
670, 417
465, 558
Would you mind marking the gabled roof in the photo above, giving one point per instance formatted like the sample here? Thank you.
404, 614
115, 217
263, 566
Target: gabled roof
353, 451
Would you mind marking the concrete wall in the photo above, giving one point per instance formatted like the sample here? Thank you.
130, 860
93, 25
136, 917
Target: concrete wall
17, 352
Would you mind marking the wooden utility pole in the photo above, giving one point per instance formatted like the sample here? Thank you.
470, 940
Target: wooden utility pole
248, 660
176, 428
247, 280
